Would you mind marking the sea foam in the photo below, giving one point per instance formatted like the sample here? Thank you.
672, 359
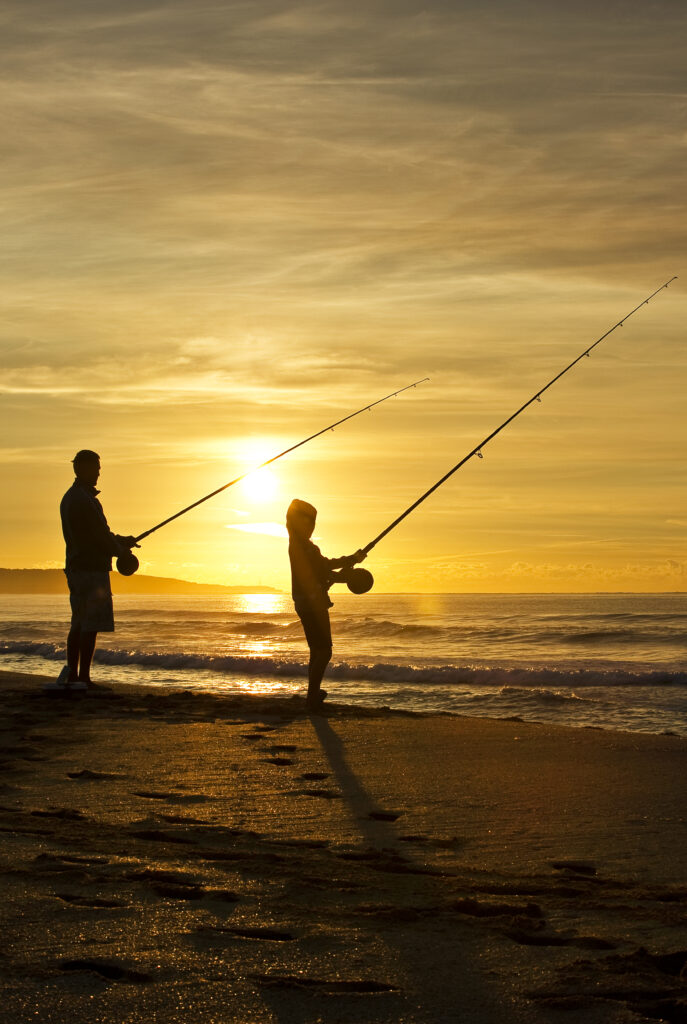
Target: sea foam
384, 672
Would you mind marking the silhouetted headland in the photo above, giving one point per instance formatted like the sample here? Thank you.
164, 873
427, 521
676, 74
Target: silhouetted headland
52, 581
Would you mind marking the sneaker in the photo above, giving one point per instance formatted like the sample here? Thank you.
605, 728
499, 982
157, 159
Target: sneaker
314, 702
62, 682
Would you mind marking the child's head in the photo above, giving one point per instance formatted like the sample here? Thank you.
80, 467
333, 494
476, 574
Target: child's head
300, 518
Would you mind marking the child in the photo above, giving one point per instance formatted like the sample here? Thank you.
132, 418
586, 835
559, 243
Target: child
311, 576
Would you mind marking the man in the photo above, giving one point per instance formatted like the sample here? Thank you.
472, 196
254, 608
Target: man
90, 547
312, 575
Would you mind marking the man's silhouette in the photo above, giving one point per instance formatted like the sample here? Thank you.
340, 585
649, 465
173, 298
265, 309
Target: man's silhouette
311, 577
90, 547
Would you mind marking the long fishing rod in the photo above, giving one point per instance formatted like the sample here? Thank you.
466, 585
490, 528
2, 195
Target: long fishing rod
127, 564
361, 578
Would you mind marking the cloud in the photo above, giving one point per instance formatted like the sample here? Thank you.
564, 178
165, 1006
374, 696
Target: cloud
233, 219
551, 571
648, 570
196, 370
317, 150
270, 529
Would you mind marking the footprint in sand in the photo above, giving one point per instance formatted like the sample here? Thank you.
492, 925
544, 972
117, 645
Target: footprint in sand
158, 835
260, 934
544, 936
384, 815
16, 831
86, 775
59, 861
487, 908
179, 819
648, 985
29, 754
109, 970
322, 985
178, 892
278, 760
174, 798
578, 867
160, 875
401, 915
179, 885
221, 895
448, 842
97, 903
315, 776
64, 813
306, 844
391, 862
361, 855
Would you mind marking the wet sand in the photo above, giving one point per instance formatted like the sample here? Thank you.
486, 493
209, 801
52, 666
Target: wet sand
184, 857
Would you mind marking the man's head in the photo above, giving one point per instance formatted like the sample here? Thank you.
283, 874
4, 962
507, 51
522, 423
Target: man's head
300, 518
87, 466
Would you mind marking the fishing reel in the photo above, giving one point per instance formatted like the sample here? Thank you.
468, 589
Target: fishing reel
127, 564
358, 581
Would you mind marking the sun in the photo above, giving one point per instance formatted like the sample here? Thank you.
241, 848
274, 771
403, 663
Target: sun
260, 485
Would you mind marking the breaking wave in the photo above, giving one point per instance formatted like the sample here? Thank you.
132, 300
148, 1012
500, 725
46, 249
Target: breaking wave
546, 679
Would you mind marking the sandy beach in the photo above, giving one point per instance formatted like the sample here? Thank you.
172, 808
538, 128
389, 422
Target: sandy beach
169, 856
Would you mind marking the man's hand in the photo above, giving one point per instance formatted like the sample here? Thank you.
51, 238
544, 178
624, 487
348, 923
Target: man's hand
129, 542
358, 556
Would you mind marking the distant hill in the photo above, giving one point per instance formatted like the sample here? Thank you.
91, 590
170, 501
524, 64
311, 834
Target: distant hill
52, 581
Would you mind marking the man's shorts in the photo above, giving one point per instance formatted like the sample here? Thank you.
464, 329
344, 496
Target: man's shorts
91, 600
318, 631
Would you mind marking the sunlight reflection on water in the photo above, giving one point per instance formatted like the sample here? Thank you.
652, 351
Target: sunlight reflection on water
263, 604
261, 687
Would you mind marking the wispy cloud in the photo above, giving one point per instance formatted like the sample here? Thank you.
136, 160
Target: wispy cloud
440, 136
197, 370
630, 571
270, 529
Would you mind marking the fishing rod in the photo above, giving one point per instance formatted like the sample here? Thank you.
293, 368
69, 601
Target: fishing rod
361, 580
127, 564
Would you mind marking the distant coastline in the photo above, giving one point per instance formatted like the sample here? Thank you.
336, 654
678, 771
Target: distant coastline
52, 581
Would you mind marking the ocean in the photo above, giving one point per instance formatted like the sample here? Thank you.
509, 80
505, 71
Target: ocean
610, 661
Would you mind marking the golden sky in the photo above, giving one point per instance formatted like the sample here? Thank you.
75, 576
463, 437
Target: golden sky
228, 224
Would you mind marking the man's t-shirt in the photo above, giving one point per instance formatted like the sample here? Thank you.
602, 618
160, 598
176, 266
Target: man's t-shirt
90, 541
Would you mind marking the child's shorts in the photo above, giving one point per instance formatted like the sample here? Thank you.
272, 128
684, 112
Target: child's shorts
318, 630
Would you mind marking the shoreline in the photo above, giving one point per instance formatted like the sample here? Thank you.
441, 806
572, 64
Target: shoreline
173, 856
615, 663
230, 689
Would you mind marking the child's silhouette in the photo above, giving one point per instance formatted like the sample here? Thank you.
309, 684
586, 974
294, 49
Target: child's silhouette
311, 577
